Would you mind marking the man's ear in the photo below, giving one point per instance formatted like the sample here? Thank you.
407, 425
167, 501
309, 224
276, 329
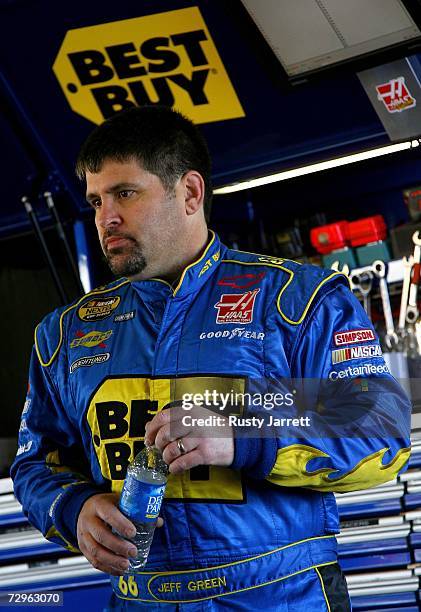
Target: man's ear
194, 191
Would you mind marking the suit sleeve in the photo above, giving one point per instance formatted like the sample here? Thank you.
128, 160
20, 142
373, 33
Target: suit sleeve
50, 474
354, 431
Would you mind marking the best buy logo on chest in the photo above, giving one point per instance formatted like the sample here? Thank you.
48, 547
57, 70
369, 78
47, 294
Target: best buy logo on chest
168, 58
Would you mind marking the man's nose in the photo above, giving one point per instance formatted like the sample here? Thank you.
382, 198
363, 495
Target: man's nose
108, 214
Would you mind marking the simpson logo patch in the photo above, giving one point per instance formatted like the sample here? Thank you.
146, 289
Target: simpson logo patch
236, 308
356, 352
98, 308
353, 336
92, 338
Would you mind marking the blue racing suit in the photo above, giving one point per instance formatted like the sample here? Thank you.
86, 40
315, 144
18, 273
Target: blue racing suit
235, 321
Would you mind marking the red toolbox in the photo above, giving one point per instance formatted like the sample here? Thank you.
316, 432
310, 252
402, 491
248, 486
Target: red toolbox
328, 238
363, 231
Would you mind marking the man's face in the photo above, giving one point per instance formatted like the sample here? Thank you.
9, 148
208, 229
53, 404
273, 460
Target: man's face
136, 218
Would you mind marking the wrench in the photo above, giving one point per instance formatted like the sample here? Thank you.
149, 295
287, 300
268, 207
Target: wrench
418, 336
407, 267
364, 283
391, 338
336, 266
412, 308
365, 290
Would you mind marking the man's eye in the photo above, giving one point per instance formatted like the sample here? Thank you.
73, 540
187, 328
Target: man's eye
125, 193
95, 203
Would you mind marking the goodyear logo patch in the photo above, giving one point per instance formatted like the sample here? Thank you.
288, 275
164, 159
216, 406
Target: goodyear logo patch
168, 58
92, 338
98, 308
356, 352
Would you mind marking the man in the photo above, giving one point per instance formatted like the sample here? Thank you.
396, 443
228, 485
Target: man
249, 515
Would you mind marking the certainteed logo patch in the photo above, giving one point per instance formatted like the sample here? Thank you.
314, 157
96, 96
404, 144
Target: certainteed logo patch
98, 308
168, 58
356, 352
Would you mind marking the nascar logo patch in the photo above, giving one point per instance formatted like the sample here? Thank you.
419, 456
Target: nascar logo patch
356, 352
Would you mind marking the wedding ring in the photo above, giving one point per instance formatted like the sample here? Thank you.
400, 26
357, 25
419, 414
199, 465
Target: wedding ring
181, 446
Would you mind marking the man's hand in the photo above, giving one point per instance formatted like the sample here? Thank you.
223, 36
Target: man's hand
103, 549
204, 445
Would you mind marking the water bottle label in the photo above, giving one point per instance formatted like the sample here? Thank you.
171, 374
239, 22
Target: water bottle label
141, 501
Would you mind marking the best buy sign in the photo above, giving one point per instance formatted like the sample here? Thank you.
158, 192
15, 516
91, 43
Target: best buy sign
168, 58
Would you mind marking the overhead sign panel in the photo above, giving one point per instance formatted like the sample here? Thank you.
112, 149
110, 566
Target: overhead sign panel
168, 58
395, 92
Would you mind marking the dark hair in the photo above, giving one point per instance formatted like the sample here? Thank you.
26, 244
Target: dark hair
164, 142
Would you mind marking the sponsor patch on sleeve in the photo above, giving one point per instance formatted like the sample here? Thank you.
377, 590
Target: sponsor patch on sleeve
353, 336
356, 352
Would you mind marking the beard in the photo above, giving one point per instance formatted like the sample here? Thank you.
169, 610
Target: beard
126, 261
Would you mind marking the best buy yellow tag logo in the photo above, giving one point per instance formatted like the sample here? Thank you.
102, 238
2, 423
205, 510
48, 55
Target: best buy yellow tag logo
169, 58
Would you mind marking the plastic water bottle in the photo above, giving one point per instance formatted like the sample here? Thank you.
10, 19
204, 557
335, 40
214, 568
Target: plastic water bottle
141, 499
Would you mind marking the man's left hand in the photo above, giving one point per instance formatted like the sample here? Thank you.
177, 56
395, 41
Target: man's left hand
186, 446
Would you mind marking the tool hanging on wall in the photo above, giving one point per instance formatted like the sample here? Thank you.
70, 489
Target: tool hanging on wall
391, 338
62, 235
412, 312
395, 357
407, 263
363, 282
343, 268
406, 331
38, 232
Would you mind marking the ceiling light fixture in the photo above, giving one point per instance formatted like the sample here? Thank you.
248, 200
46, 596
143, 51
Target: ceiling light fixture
318, 167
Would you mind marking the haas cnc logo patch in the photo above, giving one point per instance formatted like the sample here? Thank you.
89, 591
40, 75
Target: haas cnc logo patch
236, 307
395, 95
